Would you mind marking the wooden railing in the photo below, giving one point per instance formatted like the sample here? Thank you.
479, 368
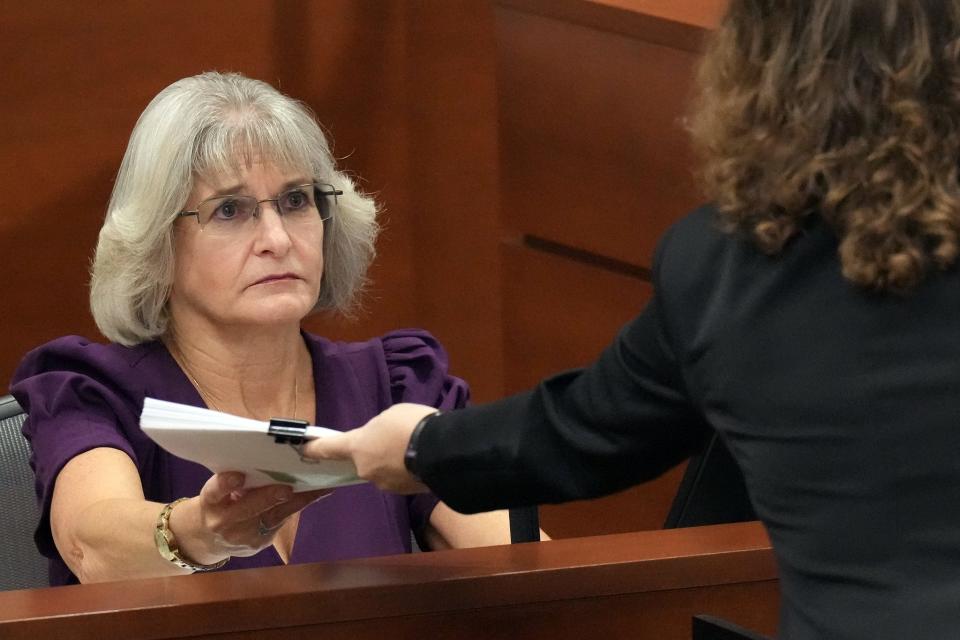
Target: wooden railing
636, 585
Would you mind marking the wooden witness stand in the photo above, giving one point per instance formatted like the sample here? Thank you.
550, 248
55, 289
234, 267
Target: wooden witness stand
636, 585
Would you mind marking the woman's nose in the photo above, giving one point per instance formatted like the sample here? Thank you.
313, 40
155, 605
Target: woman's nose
271, 230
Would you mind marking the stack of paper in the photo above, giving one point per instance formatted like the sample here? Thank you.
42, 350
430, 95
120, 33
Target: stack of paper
224, 442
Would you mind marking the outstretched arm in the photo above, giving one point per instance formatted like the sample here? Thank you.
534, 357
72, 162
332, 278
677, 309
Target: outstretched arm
103, 526
580, 434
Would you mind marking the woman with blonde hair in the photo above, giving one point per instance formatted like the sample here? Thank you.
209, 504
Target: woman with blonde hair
810, 316
229, 224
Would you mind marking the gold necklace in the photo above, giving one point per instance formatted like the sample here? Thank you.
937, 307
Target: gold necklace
180, 360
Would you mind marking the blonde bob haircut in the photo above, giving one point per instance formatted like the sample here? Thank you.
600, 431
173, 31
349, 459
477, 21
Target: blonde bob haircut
210, 124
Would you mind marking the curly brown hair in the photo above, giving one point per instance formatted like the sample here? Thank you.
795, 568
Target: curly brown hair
846, 109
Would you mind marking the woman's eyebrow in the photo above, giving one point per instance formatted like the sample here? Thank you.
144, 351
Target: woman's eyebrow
226, 191
296, 182
237, 189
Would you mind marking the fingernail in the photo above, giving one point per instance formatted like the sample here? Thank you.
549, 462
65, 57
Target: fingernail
282, 495
234, 480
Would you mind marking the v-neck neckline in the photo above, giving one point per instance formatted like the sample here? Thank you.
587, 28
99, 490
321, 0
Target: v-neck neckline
186, 389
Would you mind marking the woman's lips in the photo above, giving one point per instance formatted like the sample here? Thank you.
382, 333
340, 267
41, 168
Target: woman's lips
278, 277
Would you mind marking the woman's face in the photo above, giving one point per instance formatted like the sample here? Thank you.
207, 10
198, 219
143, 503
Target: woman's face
268, 274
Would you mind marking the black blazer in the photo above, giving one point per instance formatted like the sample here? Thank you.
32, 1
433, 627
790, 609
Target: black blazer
841, 406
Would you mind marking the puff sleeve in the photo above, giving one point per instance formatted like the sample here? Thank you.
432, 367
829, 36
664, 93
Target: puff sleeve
68, 390
419, 372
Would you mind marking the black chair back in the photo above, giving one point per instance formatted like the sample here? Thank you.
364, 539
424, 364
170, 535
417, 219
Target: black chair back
524, 524
712, 628
21, 565
711, 491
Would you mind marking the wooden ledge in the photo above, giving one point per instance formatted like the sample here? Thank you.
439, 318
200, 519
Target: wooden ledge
429, 583
681, 24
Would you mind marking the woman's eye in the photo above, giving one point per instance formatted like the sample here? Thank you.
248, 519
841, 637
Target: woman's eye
227, 210
296, 200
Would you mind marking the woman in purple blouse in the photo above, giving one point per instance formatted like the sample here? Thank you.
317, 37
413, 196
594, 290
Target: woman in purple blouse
229, 224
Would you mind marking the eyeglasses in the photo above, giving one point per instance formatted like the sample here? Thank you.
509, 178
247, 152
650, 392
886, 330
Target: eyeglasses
233, 215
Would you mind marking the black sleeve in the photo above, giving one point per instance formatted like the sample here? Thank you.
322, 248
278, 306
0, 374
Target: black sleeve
579, 434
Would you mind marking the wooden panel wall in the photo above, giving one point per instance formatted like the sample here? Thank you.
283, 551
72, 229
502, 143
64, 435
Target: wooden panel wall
583, 151
406, 91
76, 79
594, 165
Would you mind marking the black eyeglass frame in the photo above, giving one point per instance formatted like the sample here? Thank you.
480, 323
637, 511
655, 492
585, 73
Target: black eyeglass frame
320, 189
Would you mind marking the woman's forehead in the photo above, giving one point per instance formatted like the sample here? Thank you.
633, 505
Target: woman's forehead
239, 175
239, 156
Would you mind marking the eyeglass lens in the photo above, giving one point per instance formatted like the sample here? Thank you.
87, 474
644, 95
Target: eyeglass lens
300, 204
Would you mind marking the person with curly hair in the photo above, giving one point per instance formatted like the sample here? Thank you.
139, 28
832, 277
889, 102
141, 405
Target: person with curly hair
810, 315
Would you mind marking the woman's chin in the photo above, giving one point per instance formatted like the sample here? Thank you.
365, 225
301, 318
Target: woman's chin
279, 313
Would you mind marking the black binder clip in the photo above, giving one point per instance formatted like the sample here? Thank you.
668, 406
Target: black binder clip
292, 432
288, 430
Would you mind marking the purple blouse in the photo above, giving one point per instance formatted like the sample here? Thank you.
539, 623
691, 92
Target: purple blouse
80, 395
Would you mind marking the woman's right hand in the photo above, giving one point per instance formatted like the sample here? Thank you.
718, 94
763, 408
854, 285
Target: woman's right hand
228, 520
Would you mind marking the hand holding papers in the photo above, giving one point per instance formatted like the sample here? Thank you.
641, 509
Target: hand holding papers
224, 442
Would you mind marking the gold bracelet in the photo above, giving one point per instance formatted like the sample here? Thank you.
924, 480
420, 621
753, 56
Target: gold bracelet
167, 545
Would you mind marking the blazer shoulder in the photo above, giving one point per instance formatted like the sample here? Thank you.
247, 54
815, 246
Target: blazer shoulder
693, 243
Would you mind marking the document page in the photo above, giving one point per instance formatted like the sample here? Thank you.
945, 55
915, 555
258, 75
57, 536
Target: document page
224, 442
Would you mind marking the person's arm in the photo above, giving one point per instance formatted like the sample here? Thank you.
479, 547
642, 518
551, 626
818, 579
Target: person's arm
448, 529
580, 434
103, 526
